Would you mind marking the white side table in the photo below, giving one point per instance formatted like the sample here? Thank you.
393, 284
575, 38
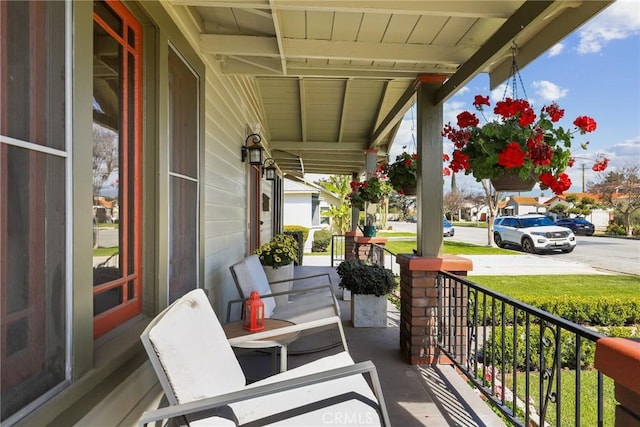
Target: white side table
236, 329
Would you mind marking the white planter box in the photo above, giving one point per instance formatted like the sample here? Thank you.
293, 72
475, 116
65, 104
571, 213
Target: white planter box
281, 273
368, 311
346, 295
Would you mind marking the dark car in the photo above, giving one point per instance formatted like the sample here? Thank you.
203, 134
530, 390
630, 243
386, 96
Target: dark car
578, 225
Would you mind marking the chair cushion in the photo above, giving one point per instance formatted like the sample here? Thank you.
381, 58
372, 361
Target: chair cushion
342, 401
194, 351
249, 276
306, 310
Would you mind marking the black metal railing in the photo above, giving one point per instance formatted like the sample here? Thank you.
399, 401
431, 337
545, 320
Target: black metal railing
382, 256
519, 356
337, 249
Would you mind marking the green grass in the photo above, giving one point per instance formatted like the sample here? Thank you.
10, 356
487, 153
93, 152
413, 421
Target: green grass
452, 248
105, 251
588, 397
390, 234
519, 287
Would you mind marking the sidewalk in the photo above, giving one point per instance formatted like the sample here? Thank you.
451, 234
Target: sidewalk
494, 265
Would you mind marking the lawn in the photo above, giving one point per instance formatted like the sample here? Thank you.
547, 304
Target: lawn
588, 397
101, 251
453, 248
519, 287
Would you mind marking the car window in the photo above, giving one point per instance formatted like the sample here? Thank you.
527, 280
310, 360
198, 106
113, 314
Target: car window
536, 222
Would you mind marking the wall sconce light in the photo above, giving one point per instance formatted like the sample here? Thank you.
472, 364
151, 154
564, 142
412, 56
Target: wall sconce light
252, 149
270, 169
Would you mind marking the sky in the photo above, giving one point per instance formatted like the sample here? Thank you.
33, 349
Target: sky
595, 71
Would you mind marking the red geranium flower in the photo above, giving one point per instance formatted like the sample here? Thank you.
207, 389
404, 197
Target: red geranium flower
512, 156
585, 124
466, 119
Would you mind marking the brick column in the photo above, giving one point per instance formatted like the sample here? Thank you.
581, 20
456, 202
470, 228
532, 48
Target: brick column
619, 358
350, 238
419, 302
355, 239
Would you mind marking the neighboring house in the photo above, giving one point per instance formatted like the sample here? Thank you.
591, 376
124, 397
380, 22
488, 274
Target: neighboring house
520, 205
304, 204
600, 218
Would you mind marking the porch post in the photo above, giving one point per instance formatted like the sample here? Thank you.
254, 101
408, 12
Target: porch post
430, 180
418, 273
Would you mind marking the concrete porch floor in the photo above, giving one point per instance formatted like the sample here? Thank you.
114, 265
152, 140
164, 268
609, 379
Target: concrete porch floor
415, 395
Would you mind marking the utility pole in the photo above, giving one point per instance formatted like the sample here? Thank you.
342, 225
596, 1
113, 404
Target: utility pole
583, 186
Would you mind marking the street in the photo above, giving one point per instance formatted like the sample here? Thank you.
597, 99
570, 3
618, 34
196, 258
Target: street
607, 253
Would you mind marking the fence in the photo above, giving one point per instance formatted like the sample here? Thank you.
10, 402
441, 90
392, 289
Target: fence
519, 356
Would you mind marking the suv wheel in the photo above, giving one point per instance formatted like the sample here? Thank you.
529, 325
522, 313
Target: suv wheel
498, 240
527, 246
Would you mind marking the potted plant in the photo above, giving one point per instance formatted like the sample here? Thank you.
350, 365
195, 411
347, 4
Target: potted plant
402, 173
369, 285
518, 145
277, 258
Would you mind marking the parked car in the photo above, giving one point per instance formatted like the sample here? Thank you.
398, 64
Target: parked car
533, 233
577, 225
447, 228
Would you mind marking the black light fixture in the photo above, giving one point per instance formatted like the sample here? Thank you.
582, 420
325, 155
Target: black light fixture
252, 149
270, 169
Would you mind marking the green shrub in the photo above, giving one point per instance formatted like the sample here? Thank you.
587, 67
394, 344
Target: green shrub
492, 349
321, 240
305, 230
600, 311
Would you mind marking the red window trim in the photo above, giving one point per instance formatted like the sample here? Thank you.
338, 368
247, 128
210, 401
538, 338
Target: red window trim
112, 318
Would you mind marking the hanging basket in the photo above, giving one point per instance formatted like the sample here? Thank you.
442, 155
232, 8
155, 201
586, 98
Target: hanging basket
408, 190
512, 182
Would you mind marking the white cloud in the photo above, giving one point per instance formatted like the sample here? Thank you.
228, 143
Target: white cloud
549, 91
451, 111
625, 152
556, 50
619, 21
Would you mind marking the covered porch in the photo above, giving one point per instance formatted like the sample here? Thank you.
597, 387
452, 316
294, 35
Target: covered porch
322, 86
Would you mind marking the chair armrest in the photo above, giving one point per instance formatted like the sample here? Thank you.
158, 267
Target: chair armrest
293, 328
203, 405
304, 277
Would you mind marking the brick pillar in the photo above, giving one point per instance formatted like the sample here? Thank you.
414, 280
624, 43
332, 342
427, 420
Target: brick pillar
619, 358
364, 245
419, 304
350, 239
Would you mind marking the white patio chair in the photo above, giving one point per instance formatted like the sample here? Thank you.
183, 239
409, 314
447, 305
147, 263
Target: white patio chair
307, 304
205, 385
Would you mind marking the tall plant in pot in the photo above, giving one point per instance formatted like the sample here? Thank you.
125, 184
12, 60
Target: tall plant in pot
369, 285
277, 258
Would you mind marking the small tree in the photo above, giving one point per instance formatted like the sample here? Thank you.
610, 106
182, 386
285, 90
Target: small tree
621, 190
491, 198
340, 214
402, 203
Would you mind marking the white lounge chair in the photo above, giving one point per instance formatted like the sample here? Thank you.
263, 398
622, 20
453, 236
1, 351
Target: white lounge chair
306, 304
205, 385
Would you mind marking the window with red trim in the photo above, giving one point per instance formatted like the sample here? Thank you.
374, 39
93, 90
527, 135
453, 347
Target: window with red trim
116, 165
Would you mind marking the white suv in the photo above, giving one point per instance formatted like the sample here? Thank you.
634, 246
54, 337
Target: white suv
533, 233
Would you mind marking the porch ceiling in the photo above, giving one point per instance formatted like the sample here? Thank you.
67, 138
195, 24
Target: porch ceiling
334, 78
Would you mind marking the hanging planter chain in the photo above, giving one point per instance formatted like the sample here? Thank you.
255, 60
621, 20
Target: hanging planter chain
515, 76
